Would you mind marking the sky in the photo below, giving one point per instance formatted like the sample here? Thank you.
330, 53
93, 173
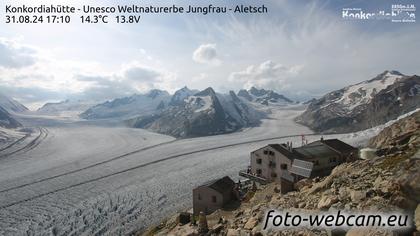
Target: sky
302, 49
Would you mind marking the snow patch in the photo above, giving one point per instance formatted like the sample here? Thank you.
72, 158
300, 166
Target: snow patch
362, 93
198, 103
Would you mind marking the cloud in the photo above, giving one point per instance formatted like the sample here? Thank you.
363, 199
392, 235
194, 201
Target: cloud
102, 88
133, 78
141, 74
266, 75
35, 76
14, 55
206, 54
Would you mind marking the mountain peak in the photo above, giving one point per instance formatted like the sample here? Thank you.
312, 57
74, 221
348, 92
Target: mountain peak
386, 75
155, 93
263, 96
393, 72
11, 105
206, 92
257, 92
180, 95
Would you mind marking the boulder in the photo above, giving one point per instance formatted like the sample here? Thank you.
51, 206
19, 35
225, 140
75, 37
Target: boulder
343, 193
233, 232
303, 183
326, 201
251, 223
357, 196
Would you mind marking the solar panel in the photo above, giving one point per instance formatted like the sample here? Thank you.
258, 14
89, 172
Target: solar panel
302, 168
303, 164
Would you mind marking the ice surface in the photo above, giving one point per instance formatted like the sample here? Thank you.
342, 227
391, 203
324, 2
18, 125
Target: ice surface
85, 179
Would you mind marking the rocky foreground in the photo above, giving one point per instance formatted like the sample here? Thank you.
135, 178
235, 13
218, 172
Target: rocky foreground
387, 183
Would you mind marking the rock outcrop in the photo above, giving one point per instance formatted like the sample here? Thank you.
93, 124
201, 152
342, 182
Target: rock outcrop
363, 105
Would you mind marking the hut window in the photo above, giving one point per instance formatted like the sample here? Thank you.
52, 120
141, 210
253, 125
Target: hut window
259, 161
271, 153
213, 199
272, 164
259, 171
274, 175
283, 166
316, 163
265, 152
199, 196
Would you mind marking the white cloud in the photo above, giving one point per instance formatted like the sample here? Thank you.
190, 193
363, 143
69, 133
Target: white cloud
266, 75
206, 54
45, 78
133, 78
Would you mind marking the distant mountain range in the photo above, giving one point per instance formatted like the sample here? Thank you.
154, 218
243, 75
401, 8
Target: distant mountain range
65, 107
263, 96
128, 107
8, 106
7, 120
11, 105
188, 112
204, 113
363, 105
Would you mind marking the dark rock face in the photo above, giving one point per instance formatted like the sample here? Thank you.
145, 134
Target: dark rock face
6, 120
364, 105
161, 106
263, 96
243, 93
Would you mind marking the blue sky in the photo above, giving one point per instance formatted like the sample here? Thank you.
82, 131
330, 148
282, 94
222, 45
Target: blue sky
300, 48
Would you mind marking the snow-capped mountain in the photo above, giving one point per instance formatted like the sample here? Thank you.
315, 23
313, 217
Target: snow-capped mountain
123, 108
8, 107
364, 105
262, 96
67, 107
180, 95
6, 119
11, 105
204, 113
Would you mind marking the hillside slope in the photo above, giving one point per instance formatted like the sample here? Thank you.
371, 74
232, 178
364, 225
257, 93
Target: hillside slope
6, 119
67, 107
11, 105
363, 105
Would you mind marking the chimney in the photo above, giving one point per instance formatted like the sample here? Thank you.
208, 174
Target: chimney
291, 146
322, 138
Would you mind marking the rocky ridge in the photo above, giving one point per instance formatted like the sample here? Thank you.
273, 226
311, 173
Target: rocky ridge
363, 105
